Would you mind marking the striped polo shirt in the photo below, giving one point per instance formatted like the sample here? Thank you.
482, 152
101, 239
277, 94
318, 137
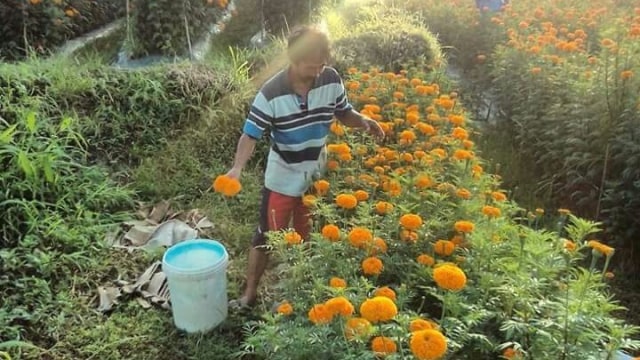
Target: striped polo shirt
298, 131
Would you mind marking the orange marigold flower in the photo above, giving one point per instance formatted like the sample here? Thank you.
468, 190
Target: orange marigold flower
421, 324
408, 136
338, 283
444, 247
361, 195
457, 240
339, 306
386, 292
360, 237
449, 277
536, 70
333, 165
608, 43
627, 74
441, 153
383, 207
464, 226
413, 117
320, 314
569, 245
346, 201
356, 328
423, 182
511, 353
460, 133
331, 232
292, 238
564, 211
491, 211
322, 187
498, 196
372, 266
411, 221
601, 248
428, 344
463, 194
227, 186
336, 128
426, 129
383, 345
285, 308
425, 259
309, 200
460, 154
378, 309
379, 246
408, 235
456, 120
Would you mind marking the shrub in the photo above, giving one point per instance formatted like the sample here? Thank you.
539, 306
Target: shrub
42, 25
125, 115
391, 40
160, 27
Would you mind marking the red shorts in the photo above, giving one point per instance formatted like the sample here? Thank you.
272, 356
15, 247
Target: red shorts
277, 211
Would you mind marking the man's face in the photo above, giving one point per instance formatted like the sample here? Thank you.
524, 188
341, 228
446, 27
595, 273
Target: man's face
310, 68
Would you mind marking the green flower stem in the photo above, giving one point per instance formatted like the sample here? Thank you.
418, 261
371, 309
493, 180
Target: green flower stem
444, 306
606, 266
594, 259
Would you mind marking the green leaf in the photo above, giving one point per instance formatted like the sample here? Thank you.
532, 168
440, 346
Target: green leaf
6, 136
25, 164
49, 174
31, 122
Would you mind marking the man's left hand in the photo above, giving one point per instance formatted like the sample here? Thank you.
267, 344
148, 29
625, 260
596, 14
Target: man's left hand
374, 129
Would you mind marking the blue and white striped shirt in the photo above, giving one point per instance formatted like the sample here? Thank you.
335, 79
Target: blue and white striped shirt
298, 131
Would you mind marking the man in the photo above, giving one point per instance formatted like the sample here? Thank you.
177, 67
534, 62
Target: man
297, 107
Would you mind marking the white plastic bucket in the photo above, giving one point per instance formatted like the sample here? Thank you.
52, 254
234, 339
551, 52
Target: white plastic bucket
197, 275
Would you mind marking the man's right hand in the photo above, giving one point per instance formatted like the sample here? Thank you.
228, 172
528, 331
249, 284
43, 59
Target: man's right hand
234, 173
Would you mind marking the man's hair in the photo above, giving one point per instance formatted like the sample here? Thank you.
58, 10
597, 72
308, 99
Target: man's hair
307, 42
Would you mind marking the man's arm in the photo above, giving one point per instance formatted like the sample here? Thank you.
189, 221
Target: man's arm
244, 151
258, 121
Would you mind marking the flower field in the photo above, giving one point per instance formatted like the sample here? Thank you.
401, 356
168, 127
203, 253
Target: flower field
418, 253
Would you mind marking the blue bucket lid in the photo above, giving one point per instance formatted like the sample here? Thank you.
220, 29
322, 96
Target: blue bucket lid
193, 256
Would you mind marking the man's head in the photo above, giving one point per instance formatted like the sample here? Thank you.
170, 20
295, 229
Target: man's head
309, 51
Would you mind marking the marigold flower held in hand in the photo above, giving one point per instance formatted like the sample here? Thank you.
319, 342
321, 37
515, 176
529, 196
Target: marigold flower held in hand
320, 314
360, 237
372, 266
356, 328
285, 308
425, 259
444, 247
292, 238
464, 226
378, 309
340, 306
346, 201
428, 344
383, 345
386, 292
331, 232
227, 186
338, 283
449, 277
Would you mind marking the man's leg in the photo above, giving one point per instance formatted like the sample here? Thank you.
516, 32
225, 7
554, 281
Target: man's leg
275, 214
302, 219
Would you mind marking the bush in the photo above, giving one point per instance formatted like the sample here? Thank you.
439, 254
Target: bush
42, 25
160, 27
125, 115
55, 210
390, 40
